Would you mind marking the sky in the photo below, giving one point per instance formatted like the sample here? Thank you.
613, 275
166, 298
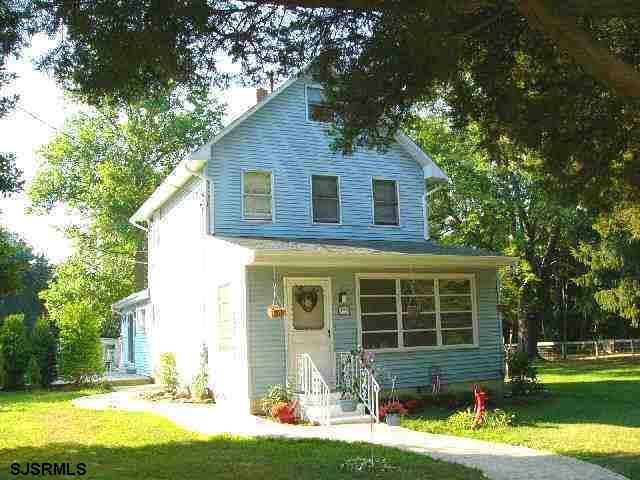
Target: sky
23, 135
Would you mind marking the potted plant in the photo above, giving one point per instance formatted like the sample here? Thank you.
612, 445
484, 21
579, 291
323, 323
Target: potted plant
349, 397
392, 411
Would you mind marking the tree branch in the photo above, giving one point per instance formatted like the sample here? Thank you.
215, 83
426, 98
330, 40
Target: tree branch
620, 77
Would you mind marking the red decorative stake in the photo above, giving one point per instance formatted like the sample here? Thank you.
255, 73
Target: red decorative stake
481, 405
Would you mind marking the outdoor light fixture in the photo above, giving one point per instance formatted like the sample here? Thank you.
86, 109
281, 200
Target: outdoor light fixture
343, 303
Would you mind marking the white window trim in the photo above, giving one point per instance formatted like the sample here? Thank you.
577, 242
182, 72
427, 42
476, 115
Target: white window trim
373, 203
242, 197
401, 276
306, 102
339, 197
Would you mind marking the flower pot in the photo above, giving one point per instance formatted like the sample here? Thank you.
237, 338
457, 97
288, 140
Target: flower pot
275, 311
348, 405
392, 419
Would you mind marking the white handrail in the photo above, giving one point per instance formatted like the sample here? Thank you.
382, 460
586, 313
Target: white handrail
312, 386
351, 369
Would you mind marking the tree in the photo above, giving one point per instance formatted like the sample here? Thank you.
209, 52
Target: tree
104, 165
557, 78
43, 349
613, 273
30, 273
501, 204
80, 357
14, 346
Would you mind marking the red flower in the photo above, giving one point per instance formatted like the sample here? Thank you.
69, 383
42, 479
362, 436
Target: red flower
412, 404
284, 412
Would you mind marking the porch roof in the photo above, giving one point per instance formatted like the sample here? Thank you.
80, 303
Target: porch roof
132, 300
364, 253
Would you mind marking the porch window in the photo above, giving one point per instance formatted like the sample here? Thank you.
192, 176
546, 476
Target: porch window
416, 312
257, 195
325, 193
385, 202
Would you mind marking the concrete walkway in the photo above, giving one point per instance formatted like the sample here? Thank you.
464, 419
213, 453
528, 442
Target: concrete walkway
497, 461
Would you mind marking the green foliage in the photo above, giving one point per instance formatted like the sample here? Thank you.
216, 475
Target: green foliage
43, 348
104, 166
3, 370
613, 262
494, 419
168, 372
32, 375
275, 394
80, 358
15, 350
200, 384
523, 376
11, 265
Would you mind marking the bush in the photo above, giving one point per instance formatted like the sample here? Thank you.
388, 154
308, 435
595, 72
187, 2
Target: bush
14, 344
200, 385
276, 394
523, 377
168, 372
43, 347
494, 419
80, 358
3, 371
32, 376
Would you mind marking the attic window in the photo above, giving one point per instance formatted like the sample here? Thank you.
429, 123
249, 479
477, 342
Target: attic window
317, 109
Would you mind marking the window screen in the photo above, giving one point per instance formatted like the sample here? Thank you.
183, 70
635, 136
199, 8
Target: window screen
257, 196
385, 202
326, 201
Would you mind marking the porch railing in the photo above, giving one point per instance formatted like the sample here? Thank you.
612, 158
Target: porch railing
351, 371
312, 387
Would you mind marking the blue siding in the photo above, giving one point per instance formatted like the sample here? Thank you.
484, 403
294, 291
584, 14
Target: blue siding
266, 336
279, 138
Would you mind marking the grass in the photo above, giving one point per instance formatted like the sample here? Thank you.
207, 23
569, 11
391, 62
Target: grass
46, 427
594, 415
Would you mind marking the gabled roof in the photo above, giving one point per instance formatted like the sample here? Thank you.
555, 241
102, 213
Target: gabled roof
194, 163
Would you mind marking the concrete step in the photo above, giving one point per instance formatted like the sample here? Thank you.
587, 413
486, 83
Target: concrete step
315, 413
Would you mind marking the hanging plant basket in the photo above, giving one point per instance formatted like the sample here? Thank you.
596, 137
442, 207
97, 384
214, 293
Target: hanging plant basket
275, 311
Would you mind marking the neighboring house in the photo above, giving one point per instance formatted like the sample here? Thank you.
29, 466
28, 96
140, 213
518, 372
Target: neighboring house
267, 213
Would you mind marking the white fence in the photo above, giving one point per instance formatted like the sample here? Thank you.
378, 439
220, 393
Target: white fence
584, 349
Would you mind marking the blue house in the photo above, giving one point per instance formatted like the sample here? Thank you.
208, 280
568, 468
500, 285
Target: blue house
267, 214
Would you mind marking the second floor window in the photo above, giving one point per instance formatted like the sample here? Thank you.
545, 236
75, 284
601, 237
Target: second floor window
257, 196
385, 202
326, 199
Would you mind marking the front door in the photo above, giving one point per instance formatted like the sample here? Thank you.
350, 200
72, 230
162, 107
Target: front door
308, 306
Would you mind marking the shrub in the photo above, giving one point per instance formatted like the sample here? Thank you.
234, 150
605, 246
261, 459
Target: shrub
168, 372
200, 385
3, 371
80, 358
43, 347
14, 344
523, 377
494, 419
395, 407
276, 394
32, 376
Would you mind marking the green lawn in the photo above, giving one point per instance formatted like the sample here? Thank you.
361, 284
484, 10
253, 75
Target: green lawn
594, 415
45, 427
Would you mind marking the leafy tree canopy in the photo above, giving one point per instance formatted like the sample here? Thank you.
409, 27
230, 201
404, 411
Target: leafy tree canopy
497, 200
104, 165
558, 78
